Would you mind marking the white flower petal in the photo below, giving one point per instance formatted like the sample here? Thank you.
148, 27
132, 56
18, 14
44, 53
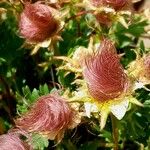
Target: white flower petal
45, 44
120, 109
138, 85
89, 107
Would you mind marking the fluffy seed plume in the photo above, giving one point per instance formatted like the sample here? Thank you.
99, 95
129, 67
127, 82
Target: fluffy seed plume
116, 4
147, 66
50, 115
37, 22
13, 141
104, 74
103, 18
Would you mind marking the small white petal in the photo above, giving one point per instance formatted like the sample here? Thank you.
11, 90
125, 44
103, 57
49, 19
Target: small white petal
120, 109
80, 94
135, 1
89, 107
45, 44
53, 1
138, 85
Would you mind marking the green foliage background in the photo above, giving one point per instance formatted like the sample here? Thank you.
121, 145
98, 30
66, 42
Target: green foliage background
23, 80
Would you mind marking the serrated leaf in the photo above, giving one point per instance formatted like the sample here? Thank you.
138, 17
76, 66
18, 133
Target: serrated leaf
107, 135
142, 47
43, 89
26, 92
34, 96
125, 36
21, 109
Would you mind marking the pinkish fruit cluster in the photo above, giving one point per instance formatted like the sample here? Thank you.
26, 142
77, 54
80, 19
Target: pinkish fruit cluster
104, 74
49, 115
116, 4
147, 66
37, 22
12, 140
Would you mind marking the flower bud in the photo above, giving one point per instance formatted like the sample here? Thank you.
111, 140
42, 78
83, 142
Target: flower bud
13, 141
49, 115
104, 74
37, 22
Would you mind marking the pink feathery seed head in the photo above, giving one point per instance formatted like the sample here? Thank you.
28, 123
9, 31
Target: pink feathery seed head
97, 3
103, 18
116, 4
37, 22
13, 141
50, 114
147, 66
104, 74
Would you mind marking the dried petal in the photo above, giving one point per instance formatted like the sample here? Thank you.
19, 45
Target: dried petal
13, 141
37, 22
104, 74
49, 114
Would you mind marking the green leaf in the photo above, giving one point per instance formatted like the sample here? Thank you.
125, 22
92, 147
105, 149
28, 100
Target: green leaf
21, 109
2, 60
126, 36
43, 89
142, 47
39, 142
34, 96
26, 92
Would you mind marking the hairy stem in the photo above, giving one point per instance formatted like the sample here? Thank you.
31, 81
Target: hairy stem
79, 14
114, 131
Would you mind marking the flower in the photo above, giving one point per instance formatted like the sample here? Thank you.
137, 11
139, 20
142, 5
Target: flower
108, 11
107, 86
12, 140
50, 115
37, 23
104, 74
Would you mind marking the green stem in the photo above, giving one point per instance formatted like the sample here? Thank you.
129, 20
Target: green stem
115, 131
